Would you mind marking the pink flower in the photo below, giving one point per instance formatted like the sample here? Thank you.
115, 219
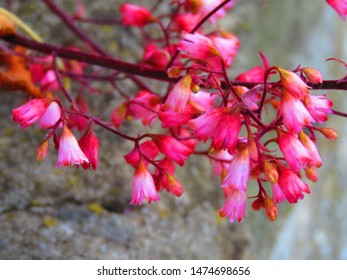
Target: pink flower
294, 113
220, 162
293, 83
319, 107
221, 124
311, 149
119, 114
173, 119
255, 74
186, 22
30, 112
179, 95
340, 6
144, 106
143, 186
202, 101
172, 148
51, 116
235, 205
69, 151
155, 57
76, 120
148, 149
291, 185
135, 15
89, 144
293, 151
197, 46
49, 81
238, 173
172, 185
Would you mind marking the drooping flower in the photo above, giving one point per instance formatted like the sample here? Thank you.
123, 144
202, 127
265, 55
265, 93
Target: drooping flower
186, 22
311, 149
30, 112
155, 57
293, 83
255, 74
221, 124
197, 46
235, 204
135, 15
51, 116
89, 144
119, 114
295, 114
291, 185
293, 150
49, 81
238, 173
172, 148
76, 120
69, 151
179, 95
143, 186
220, 161
319, 107
313, 75
340, 6
277, 193
173, 119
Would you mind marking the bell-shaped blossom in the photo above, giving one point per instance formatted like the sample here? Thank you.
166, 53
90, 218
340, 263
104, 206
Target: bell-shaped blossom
340, 6
171, 184
197, 46
313, 75
295, 114
89, 144
293, 151
155, 57
319, 107
30, 112
149, 149
69, 151
293, 83
173, 119
42, 150
179, 95
49, 81
144, 106
311, 149
221, 124
119, 114
51, 116
186, 22
135, 15
238, 173
76, 120
235, 205
143, 186
172, 148
291, 185
270, 208
255, 75
202, 101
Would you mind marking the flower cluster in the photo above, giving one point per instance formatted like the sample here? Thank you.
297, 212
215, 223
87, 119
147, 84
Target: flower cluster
258, 156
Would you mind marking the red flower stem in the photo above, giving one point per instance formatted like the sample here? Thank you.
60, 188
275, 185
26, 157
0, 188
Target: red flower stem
338, 113
60, 82
140, 70
70, 23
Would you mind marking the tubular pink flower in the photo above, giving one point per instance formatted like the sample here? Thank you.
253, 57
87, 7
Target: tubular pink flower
30, 112
89, 144
319, 107
135, 15
173, 119
294, 113
143, 186
221, 124
238, 173
49, 81
220, 162
291, 185
340, 6
277, 193
313, 75
235, 205
311, 149
202, 101
69, 151
186, 22
51, 116
293, 83
172, 148
197, 46
293, 151
155, 57
179, 95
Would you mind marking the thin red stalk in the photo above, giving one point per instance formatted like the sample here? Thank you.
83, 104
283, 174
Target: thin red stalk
98, 21
60, 82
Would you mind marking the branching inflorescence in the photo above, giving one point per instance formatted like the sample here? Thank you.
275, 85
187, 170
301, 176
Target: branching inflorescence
261, 126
